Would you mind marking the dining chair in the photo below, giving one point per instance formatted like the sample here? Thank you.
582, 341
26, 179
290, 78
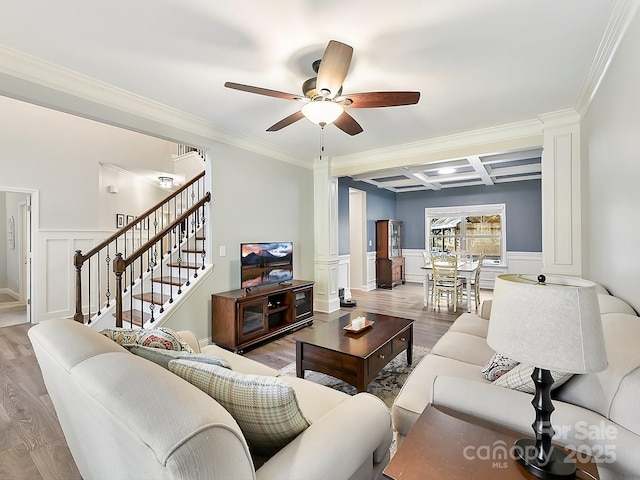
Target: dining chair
475, 282
445, 279
426, 256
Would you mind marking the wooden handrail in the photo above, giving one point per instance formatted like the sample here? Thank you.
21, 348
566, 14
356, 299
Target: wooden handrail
140, 218
159, 236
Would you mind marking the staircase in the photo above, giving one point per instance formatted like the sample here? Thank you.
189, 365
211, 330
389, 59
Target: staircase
166, 285
158, 257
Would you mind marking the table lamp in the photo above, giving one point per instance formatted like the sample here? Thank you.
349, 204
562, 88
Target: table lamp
550, 323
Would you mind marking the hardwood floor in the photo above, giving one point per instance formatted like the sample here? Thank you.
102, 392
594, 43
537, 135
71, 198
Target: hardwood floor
402, 301
32, 446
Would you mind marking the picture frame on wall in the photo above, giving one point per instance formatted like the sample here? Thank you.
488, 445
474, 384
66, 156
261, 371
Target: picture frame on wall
138, 225
145, 223
119, 220
130, 218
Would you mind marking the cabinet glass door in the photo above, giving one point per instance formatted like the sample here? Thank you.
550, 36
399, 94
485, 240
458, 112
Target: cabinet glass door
252, 319
395, 245
304, 303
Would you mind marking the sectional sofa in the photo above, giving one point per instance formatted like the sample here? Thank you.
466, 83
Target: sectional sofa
126, 417
597, 413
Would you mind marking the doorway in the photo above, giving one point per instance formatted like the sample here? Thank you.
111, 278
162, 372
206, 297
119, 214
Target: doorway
15, 257
357, 239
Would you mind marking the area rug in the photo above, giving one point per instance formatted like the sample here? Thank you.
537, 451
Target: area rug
385, 386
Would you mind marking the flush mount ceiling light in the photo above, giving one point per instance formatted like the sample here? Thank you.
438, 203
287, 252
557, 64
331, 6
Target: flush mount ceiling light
165, 182
447, 171
322, 112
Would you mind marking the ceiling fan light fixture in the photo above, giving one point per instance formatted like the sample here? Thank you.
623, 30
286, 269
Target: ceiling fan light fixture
322, 112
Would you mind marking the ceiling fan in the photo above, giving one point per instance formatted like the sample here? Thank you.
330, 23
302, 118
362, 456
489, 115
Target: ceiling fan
323, 100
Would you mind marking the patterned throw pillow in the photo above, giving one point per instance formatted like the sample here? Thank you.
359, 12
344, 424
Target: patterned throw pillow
162, 356
498, 366
122, 336
266, 408
520, 379
160, 337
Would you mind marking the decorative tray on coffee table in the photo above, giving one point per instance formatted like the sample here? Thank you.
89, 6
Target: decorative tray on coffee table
350, 328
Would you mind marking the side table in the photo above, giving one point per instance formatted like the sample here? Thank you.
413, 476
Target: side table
446, 444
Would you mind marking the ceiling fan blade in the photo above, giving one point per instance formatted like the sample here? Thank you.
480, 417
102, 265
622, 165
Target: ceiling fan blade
348, 124
262, 91
285, 122
333, 68
381, 99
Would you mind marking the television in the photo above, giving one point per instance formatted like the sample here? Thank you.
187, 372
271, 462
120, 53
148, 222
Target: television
264, 263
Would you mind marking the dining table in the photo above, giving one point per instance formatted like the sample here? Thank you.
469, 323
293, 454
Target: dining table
466, 269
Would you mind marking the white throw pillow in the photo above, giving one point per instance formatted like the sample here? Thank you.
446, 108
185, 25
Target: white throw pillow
266, 408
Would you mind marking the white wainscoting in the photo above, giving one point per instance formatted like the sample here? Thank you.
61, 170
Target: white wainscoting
371, 271
517, 262
54, 273
344, 274
525, 262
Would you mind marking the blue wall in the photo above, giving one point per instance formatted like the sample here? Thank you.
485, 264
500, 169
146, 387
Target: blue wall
523, 202
381, 204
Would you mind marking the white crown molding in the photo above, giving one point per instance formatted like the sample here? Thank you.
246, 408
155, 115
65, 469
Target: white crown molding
560, 118
502, 138
50, 76
623, 12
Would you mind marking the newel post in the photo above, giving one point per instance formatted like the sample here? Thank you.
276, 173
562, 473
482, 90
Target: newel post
118, 269
78, 260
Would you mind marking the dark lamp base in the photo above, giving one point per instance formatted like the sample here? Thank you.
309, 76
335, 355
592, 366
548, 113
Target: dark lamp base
558, 466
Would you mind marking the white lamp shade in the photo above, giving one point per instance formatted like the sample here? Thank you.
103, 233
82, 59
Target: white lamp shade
554, 325
322, 112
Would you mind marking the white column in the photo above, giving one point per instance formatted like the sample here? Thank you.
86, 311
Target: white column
326, 261
561, 182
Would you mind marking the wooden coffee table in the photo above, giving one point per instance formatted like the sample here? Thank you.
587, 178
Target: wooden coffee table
446, 444
355, 358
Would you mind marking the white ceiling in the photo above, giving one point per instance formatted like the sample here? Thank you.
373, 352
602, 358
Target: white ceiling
477, 63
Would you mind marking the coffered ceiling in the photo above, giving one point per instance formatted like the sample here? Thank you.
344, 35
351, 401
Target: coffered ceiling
479, 64
459, 172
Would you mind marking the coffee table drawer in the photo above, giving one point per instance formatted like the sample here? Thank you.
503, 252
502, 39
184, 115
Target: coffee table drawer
380, 358
401, 341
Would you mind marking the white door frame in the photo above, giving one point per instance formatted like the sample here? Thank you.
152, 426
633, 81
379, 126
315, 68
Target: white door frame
358, 277
28, 234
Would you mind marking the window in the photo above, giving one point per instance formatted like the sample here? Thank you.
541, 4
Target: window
472, 229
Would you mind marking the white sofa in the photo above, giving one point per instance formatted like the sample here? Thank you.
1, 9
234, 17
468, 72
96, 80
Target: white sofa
125, 417
598, 412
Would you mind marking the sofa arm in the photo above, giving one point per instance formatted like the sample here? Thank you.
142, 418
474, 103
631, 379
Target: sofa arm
357, 431
614, 447
190, 339
485, 309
